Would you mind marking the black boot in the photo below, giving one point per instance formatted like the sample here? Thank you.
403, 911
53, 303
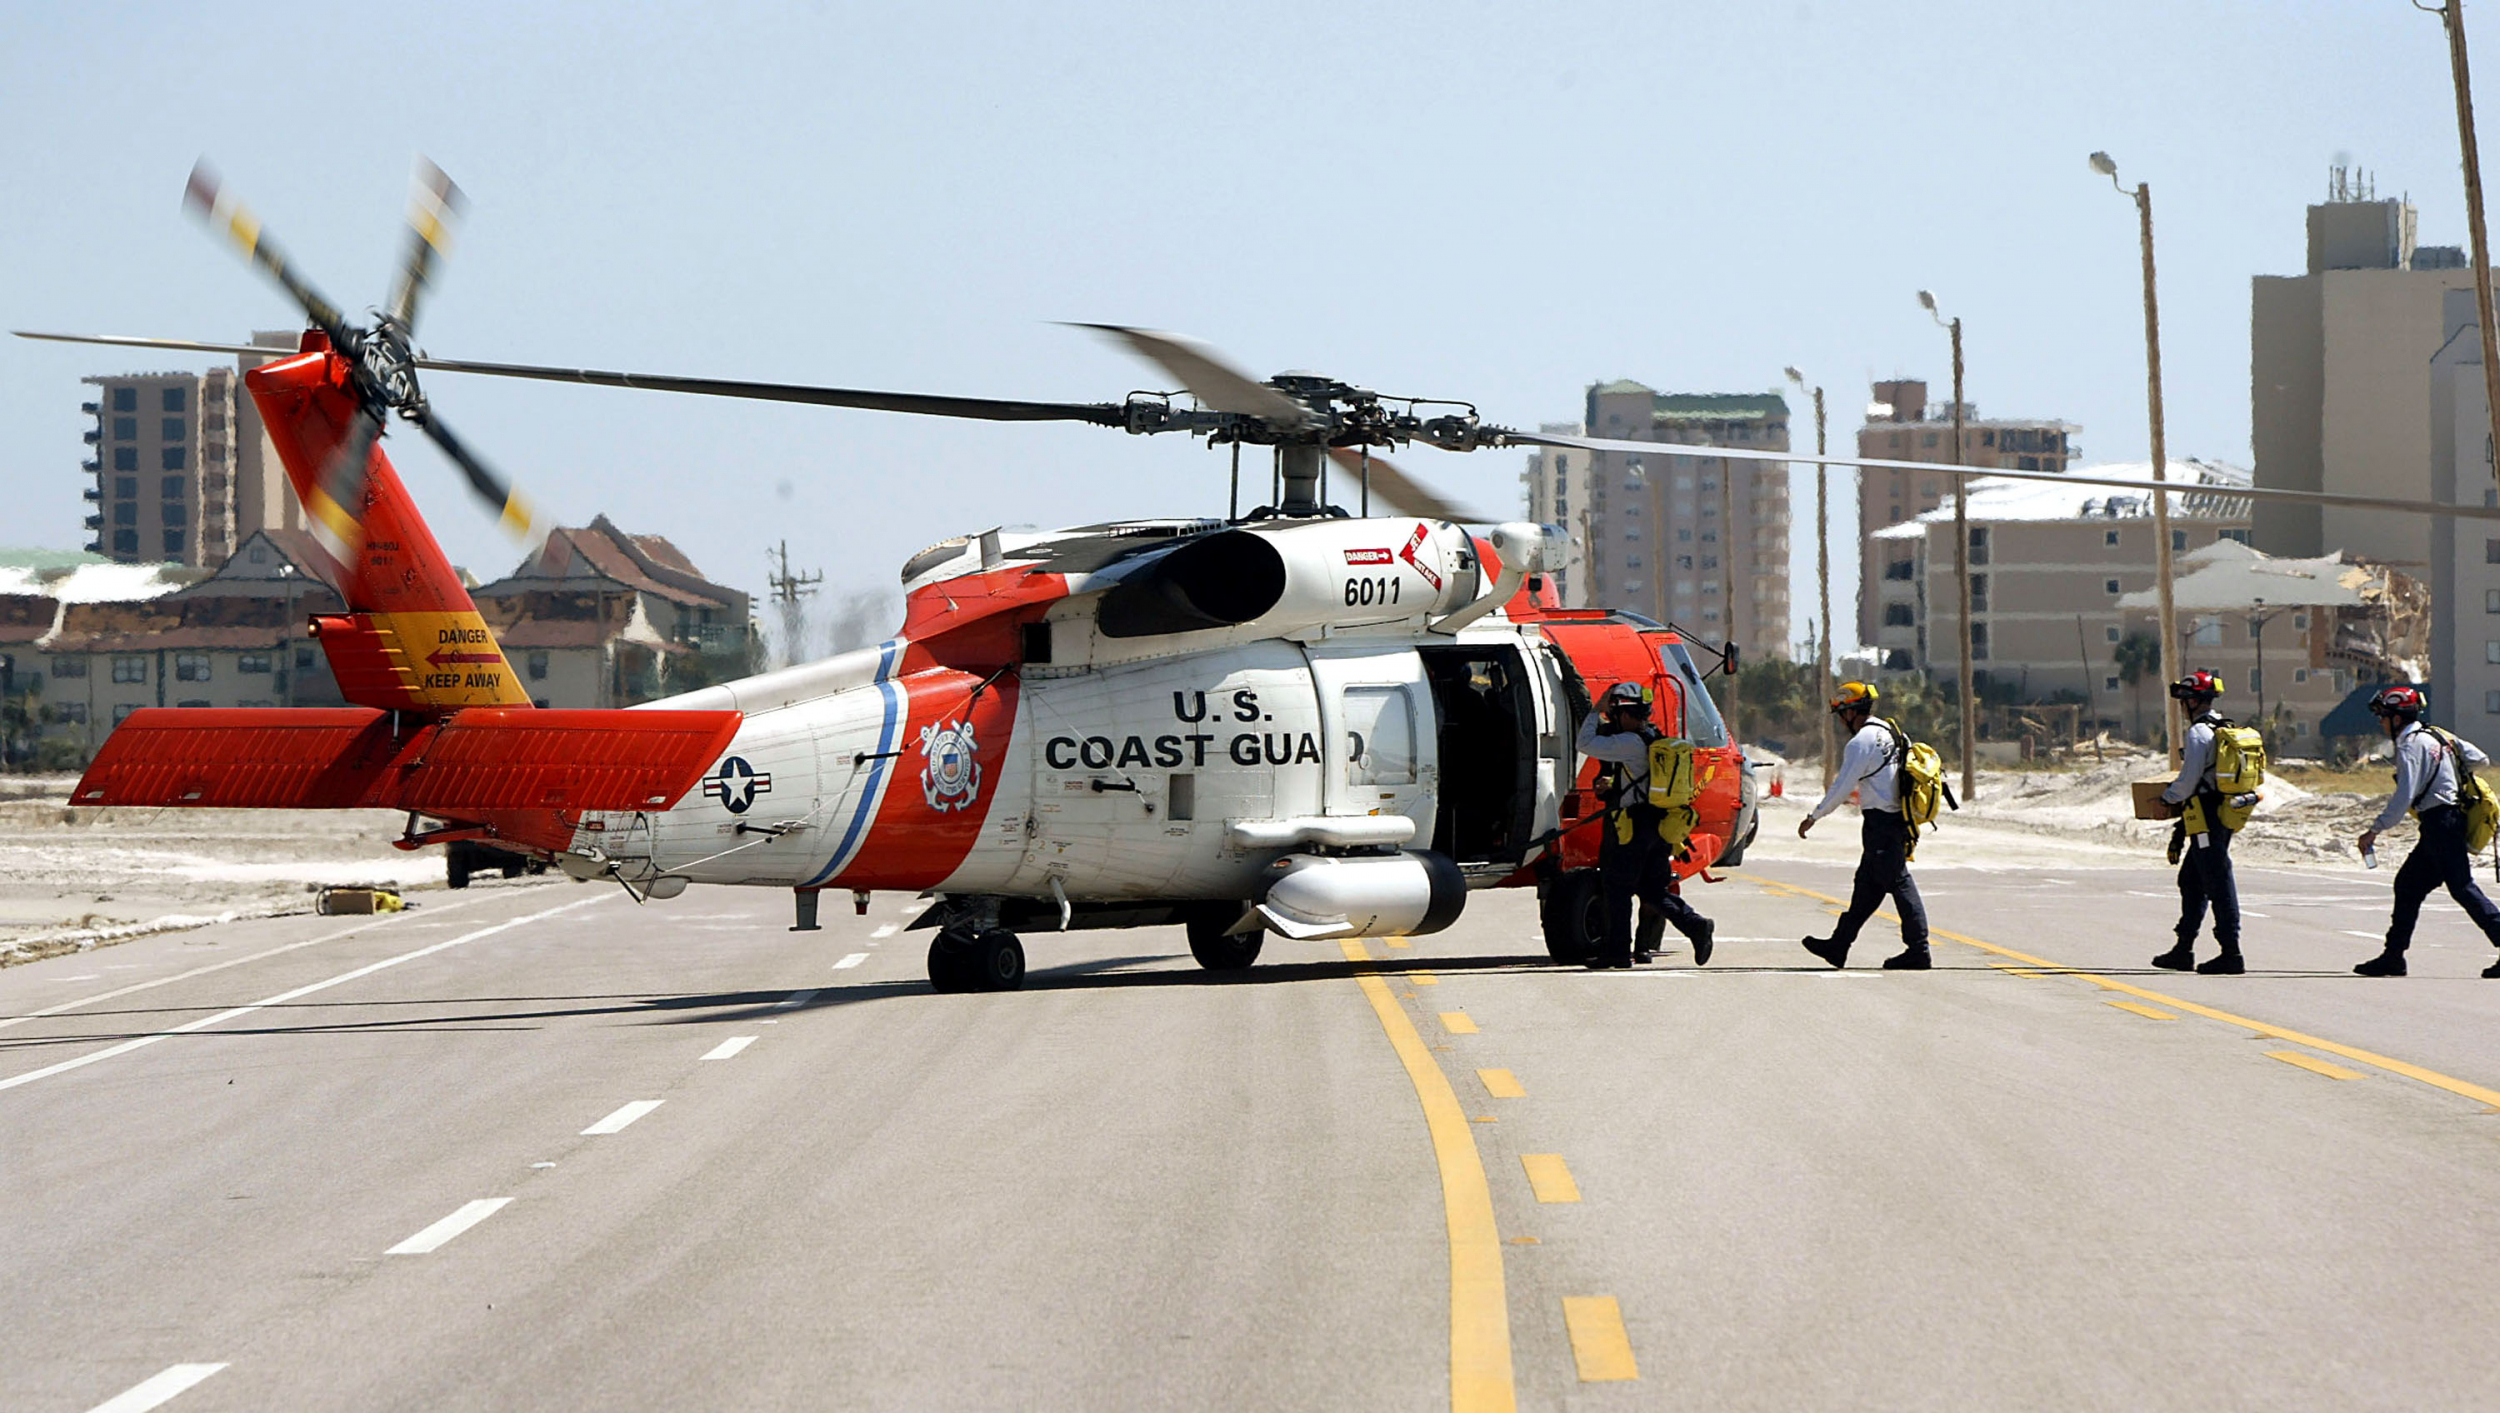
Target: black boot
2388, 963
2493, 971
1910, 959
2179, 958
2228, 964
1701, 940
1830, 950
1645, 940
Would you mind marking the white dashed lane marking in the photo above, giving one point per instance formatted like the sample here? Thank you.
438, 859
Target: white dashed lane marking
730, 1047
854, 959
469, 1215
158, 1389
616, 1122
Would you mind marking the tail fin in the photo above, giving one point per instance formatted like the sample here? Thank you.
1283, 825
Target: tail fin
412, 639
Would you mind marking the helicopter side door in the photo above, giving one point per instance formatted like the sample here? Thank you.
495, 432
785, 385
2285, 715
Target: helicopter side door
1487, 736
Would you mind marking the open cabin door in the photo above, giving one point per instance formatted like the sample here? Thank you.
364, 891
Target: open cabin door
1488, 751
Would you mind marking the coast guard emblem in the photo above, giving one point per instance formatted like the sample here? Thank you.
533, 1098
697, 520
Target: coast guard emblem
952, 777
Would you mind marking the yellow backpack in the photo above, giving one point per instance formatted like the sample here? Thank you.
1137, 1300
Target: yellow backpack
2481, 806
1672, 781
2239, 758
1921, 786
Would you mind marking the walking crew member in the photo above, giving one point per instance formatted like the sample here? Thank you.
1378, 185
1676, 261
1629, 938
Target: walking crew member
2426, 783
1871, 765
2205, 869
1633, 860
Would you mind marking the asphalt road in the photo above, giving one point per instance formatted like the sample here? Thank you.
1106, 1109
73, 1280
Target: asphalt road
315, 1163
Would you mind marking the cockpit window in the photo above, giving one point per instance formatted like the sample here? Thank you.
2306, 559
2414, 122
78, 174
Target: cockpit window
1702, 725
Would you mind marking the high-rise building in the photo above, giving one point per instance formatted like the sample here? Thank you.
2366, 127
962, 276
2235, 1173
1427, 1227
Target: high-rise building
1697, 541
1557, 482
164, 467
1902, 426
2337, 397
263, 499
2465, 554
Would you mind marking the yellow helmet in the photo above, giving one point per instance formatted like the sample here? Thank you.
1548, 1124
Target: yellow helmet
1854, 694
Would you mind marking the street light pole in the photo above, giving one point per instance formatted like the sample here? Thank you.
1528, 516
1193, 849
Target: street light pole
2257, 629
2143, 194
1822, 581
1961, 552
2452, 17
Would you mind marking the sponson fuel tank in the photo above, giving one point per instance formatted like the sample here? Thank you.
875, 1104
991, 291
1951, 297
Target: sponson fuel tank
1311, 896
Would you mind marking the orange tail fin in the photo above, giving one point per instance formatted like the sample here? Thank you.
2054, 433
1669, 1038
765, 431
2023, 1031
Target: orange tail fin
412, 639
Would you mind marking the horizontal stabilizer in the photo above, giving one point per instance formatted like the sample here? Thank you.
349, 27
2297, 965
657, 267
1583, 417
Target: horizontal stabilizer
459, 767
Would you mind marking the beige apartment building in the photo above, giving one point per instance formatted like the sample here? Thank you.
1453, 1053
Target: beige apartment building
1902, 426
164, 467
2290, 638
2338, 395
1691, 540
2050, 568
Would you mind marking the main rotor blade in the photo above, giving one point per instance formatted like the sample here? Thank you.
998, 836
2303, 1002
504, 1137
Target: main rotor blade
336, 507
1504, 436
1209, 378
512, 510
431, 208
186, 345
208, 199
1100, 414
1395, 491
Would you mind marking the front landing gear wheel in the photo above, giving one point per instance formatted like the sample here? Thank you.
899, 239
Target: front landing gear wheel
1574, 914
1217, 951
984, 961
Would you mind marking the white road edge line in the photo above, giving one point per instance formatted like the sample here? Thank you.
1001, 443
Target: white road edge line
730, 1047
616, 1122
854, 959
437, 911
794, 1000
158, 1389
469, 1215
65, 1066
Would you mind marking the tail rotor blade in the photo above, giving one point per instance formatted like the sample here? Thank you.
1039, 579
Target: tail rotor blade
206, 197
431, 209
519, 518
1394, 491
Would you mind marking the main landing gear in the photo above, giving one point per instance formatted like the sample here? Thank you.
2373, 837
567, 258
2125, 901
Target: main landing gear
976, 959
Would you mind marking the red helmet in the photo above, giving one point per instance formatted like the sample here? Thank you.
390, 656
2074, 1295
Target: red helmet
2199, 683
2397, 701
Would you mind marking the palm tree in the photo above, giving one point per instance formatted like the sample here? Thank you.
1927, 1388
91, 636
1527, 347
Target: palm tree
2138, 656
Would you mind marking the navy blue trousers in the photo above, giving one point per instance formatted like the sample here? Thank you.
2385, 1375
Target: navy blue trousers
1884, 872
2439, 857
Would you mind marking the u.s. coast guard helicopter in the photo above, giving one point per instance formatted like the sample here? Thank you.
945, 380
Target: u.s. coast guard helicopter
1296, 720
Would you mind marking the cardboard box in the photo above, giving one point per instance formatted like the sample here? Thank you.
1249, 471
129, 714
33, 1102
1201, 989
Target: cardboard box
2148, 803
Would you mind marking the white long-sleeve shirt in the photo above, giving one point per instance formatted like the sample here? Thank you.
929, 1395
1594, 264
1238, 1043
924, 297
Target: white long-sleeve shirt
1866, 766
1628, 749
2425, 775
2196, 760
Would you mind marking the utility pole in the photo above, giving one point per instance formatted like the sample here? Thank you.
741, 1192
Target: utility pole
1961, 553
2452, 18
1822, 583
1727, 585
788, 589
2143, 194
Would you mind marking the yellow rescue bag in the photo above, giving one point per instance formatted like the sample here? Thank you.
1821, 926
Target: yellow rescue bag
2481, 806
1673, 783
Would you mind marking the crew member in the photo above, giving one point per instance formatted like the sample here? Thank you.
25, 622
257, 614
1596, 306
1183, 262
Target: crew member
1634, 860
2205, 869
1871, 765
2426, 783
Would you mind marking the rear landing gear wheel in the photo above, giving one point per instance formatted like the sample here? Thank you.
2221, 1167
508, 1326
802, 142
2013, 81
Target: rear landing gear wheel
1574, 913
1218, 952
992, 960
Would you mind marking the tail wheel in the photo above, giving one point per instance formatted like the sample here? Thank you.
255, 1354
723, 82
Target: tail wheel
1215, 950
1574, 914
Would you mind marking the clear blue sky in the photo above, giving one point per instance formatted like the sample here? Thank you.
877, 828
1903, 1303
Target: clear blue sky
1500, 202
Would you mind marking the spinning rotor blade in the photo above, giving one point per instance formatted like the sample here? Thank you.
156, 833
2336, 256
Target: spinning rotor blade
337, 504
430, 211
1101, 414
1209, 378
186, 345
1396, 491
512, 510
1503, 436
207, 198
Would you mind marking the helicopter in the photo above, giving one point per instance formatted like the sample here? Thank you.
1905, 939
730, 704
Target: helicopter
1298, 720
